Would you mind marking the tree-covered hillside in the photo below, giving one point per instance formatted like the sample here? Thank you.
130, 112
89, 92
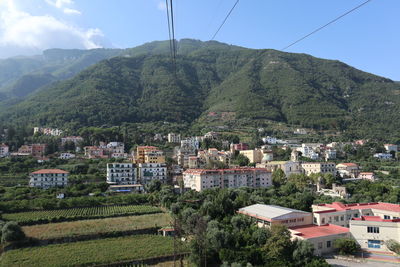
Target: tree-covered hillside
258, 85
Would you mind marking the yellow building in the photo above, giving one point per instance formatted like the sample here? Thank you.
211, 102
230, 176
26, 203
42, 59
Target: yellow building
255, 155
141, 151
155, 156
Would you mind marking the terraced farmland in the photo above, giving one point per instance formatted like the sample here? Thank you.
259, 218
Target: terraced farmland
102, 251
37, 217
97, 226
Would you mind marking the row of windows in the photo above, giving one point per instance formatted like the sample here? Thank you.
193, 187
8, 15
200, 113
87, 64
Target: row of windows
373, 229
328, 244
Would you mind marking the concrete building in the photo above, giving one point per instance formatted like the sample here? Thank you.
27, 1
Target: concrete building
4, 150
174, 138
47, 178
330, 154
340, 214
201, 179
94, 152
152, 171
66, 156
319, 167
384, 156
254, 155
390, 147
299, 224
121, 173
288, 167
348, 170
268, 215
240, 146
116, 150
71, 139
371, 232
127, 188
154, 156
47, 131
322, 237
142, 150
191, 144
367, 176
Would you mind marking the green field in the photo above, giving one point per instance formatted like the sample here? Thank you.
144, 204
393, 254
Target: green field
103, 251
37, 217
98, 226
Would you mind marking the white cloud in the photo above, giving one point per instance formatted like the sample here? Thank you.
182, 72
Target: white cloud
161, 6
24, 33
70, 11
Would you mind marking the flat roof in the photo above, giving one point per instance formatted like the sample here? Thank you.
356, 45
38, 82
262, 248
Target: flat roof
338, 206
312, 230
270, 212
375, 219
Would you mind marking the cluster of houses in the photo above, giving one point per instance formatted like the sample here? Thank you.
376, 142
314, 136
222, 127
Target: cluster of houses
371, 225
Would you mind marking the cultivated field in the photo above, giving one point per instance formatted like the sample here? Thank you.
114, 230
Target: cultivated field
37, 217
97, 226
103, 251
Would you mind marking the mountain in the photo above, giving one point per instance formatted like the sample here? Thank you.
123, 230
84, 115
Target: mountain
20, 76
250, 85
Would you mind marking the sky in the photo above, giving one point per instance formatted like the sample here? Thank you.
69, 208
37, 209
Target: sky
368, 39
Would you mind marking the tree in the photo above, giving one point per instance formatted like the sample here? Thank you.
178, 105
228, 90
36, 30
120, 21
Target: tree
346, 246
12, 232
393, 245
278, 177
279, 245
242, 160
153, 186
303, 252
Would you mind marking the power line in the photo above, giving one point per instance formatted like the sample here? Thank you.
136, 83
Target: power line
329, 23
173, 32
169, 29
227, 16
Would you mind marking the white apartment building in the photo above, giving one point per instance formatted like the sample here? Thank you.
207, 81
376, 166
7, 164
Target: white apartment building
66, 156
319, 167
73, 139
340, 214
4, 150
383, 156
121, 173
201, 179
152, 171
371, 232
190, 144
47, 178
116, 150
174, 138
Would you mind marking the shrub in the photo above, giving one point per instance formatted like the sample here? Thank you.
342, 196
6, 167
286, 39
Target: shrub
393, 245
346, 246
12, 232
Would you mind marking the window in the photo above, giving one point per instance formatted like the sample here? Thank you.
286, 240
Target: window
386, 217
373, 229
323, 221
336, 218
319, 245
374, 244
328, 244
342, 218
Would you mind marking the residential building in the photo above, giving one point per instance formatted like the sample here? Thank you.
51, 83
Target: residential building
71, 139
319, 167
367, 176
4, 150
126, 188
142, 150
240, 146
269, 140
152, 171
300, 131
330, 154
390, 147
47, 131
340, 214
174, 138
93, 152
211, 135
348, 170
47, 178
384, 156
372, 232
288, 167
254, 155
201, 179
115, 150
154, 156
66, 156
158, 137
310, 150
335, 191
121, 173
268, 215
38, 150
191, 144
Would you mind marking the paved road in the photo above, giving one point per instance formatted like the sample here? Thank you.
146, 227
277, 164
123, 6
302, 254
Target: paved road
343, 263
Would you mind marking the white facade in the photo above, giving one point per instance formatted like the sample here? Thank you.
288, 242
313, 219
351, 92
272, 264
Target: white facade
201, 179
121, 173
47, 178
4, 151
152, 171
390, 147
383, 155
73, 139
66, 156
190, 143
174, 138
319, 167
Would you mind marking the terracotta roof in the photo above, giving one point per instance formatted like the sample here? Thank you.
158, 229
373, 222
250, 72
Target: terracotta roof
46, 171
312, 231
338, 206
366, 173
375, 219
349, 164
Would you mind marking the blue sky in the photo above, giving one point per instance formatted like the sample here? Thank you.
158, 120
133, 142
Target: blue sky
367, 39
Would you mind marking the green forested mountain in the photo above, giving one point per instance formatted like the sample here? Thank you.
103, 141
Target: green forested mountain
212, 78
